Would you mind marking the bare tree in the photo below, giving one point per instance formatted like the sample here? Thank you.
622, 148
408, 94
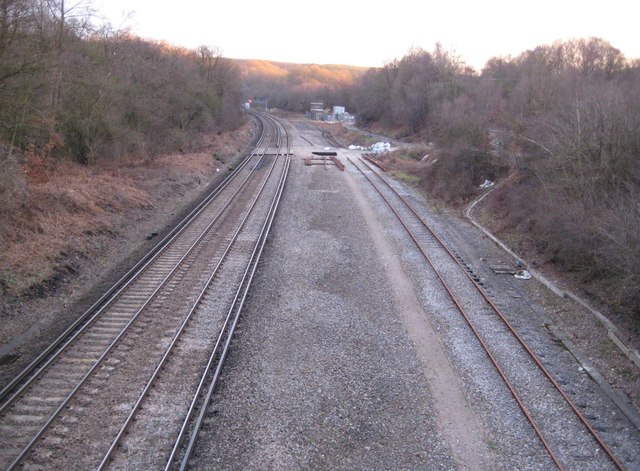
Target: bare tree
209, 58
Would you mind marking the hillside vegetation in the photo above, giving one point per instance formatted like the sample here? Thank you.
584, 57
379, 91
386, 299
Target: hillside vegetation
293, 87
562, 120
85, 94
85, 115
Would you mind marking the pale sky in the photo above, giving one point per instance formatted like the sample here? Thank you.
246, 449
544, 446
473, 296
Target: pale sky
373, 32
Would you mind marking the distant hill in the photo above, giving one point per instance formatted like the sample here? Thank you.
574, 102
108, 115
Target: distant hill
292, 86
327, 73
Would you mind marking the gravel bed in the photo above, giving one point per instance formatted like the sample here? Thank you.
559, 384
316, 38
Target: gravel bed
136, 358
528, 316
323, 373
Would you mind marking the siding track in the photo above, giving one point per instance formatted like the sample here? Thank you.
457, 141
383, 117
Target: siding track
560, 428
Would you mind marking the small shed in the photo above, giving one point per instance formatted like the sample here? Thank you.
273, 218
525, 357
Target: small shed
317, 111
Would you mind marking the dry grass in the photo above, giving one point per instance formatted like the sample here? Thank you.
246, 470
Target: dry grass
445, 176
61, 212
347, 136
52, 211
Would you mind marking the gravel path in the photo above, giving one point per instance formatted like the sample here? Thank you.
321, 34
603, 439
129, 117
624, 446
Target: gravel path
331, 367
347, 358
525, 309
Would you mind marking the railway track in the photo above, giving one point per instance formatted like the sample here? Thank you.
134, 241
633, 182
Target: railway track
560, 426
330, 139
123, 386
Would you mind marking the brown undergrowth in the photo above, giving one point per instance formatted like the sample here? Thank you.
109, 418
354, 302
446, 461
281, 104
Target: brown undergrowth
53, 211
547, 230
449, 176
536, 221
346, 136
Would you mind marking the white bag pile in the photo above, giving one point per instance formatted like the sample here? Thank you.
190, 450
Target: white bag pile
380, 147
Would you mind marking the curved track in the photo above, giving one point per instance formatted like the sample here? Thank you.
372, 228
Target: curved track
157, 334
184, 444
470, 300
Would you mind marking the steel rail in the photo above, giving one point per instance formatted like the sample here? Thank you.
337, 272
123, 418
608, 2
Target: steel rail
124, 330
330, 138
503, 318
304, 138
460, 308
182, 327
112, 293
65, 342
227, 331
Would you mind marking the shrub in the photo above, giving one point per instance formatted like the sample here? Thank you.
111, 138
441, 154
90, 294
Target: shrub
455, 175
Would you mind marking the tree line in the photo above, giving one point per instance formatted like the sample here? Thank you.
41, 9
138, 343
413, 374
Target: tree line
293, 87
562, 119
73, 90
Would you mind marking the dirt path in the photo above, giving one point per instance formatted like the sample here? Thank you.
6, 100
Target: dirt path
457, 422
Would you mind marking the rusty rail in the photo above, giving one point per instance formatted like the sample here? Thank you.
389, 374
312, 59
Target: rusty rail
502, 317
